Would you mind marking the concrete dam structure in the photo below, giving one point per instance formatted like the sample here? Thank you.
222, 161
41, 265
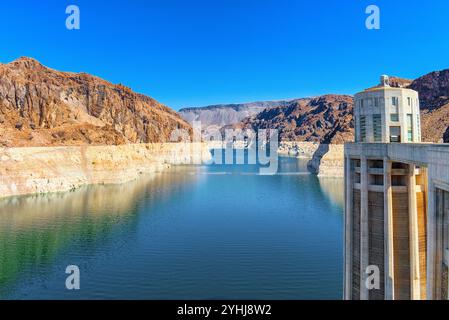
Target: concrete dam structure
396, 202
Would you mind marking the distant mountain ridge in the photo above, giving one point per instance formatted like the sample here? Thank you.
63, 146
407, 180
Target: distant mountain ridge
40, 106
329, 118
325, 119
218, 116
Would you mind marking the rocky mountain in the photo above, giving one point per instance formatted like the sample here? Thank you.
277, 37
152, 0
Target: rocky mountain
326, 119
41, 107
433, 91
217, 116
435, 124
329, 119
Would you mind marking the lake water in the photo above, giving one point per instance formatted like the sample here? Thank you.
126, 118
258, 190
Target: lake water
204, 232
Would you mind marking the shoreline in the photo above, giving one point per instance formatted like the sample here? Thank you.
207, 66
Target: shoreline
41, 170
325, 160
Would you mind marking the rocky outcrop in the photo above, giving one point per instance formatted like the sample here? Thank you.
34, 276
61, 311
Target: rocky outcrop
324, 119
435, 123
328, 161
57, 169
44, 107
433, 89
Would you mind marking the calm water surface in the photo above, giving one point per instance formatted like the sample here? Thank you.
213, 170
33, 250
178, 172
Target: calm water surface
209, 232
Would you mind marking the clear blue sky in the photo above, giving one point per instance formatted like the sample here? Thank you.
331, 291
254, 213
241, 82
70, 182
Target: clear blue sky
192, 52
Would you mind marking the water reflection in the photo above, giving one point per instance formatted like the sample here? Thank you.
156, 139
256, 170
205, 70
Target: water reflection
34, 229
334, 189
219, 231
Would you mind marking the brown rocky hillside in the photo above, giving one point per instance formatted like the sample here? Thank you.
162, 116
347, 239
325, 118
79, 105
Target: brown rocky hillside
433, 91
326, 119
435, 124
42, 107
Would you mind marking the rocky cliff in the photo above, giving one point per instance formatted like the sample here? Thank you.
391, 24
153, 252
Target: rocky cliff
433, 91
328, 161
58, 169
44, 107
324, 119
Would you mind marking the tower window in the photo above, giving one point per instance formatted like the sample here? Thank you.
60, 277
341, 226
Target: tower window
395, 109
395, 134
363, 128
394, 117
410, 127
418, 126
377, 127
395, 101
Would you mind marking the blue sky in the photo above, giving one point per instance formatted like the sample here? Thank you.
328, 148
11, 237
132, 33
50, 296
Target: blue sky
198, 52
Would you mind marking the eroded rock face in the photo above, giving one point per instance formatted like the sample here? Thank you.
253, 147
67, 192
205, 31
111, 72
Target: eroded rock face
324, 119
59, 169
44, 107
435, 122
433, 89
328, 161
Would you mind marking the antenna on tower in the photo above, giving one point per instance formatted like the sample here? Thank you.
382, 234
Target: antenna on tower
384, 80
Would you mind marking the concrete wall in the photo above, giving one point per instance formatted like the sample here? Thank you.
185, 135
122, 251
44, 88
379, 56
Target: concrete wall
376, 240
401, 241
415, 262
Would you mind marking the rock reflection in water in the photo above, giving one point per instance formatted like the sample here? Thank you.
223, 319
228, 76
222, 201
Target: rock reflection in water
34, 229
334, 189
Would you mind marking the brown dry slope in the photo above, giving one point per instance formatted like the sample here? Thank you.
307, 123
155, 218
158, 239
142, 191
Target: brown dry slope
44, 107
